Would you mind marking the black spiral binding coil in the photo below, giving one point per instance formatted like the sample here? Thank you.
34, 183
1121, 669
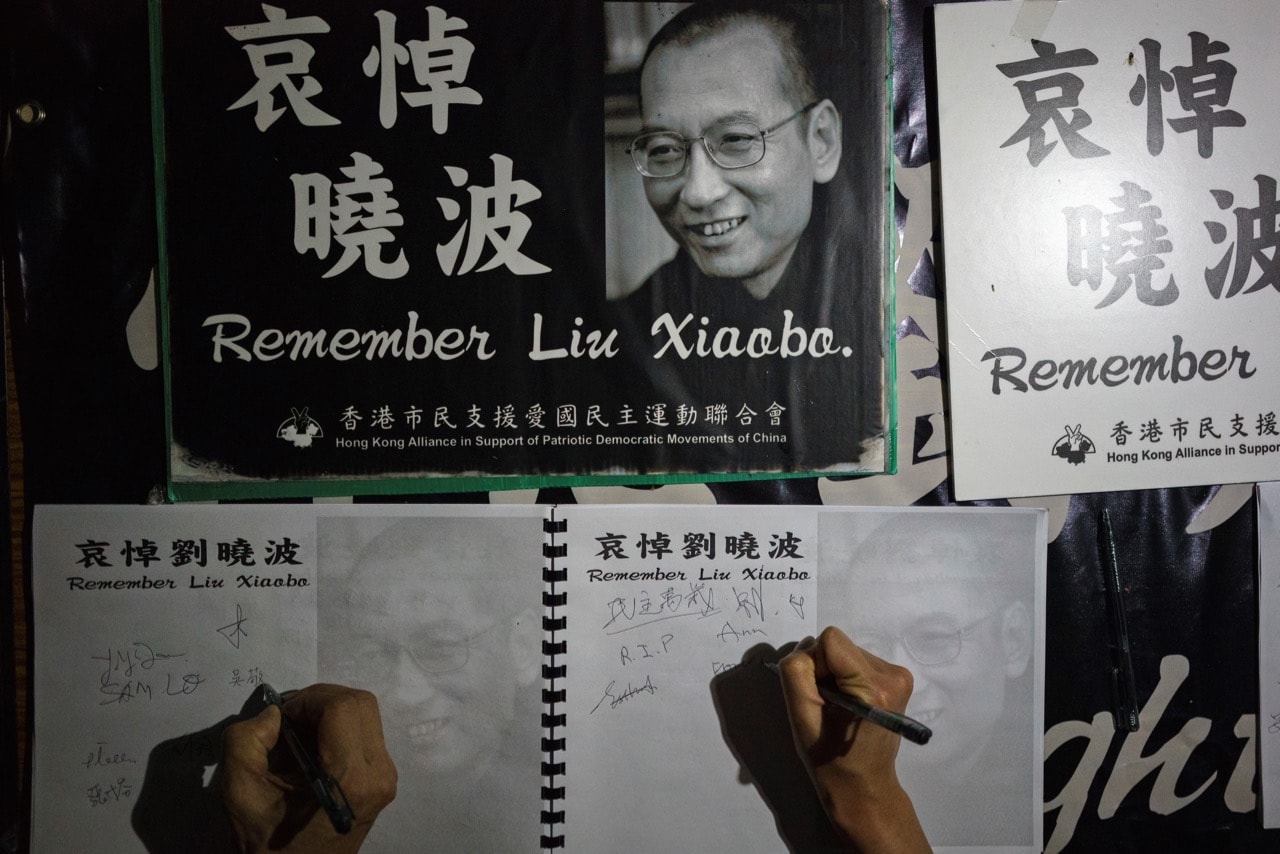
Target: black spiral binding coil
553, 671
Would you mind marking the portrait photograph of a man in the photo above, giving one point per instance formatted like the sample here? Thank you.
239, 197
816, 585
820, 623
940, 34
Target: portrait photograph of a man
956, 597
453, 655
746, 222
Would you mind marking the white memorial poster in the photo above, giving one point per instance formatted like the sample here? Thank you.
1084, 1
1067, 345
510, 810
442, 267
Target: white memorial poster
1109, 216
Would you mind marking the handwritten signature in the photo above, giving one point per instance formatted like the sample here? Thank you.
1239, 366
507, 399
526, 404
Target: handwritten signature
698, 601
728, 633
750, 601
137, 655
615, 700
101, 757
102, 794
121, 680
797, 605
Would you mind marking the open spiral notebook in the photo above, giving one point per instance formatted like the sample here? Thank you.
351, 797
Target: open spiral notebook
577, 677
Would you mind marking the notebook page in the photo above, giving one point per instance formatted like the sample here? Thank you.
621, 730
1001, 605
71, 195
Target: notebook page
153, 627
664, 604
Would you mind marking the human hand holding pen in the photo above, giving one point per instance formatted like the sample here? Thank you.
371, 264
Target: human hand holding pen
851, 761
270, 803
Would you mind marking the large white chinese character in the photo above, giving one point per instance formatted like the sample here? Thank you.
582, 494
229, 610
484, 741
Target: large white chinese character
437, 62
492, 212
358, 214
277, 64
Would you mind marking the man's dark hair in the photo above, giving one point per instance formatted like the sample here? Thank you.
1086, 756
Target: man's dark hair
789, 29
990, 555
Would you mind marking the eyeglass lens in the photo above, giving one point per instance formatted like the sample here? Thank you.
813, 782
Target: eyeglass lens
732, 145
934, 642
433, 652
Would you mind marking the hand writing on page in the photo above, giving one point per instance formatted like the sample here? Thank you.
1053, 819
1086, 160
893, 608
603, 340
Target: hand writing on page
851, 761
268, 801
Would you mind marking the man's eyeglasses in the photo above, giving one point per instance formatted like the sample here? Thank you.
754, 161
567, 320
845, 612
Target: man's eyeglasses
433, 651
935, 641
730, 145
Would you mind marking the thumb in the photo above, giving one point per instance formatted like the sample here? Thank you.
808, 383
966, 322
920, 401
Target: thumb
245, 744
249, 795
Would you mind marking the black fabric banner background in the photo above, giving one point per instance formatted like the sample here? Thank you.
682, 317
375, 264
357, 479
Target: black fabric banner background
79, 250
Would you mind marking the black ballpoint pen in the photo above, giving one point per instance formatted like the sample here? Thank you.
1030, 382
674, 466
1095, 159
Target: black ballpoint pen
1124, 690
909, 728
327, 790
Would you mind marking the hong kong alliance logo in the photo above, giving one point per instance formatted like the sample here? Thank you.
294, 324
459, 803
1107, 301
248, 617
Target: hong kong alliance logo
1073, 446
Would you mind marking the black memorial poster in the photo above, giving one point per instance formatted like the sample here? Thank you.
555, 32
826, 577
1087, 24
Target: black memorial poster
412, 247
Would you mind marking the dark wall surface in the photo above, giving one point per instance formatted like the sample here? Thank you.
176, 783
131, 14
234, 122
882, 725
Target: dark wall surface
80, 248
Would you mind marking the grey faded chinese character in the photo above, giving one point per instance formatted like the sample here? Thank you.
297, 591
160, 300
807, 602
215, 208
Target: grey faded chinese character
1043, 106
1203, 87
1255, 234
1124, 244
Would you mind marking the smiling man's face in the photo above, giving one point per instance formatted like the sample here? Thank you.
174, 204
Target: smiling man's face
438, 661
740, 224
961, 699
